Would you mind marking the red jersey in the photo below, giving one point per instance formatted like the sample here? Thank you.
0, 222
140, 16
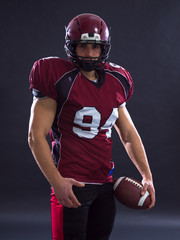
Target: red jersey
86, 112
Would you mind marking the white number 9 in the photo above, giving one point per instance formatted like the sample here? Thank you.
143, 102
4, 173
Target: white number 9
93, 124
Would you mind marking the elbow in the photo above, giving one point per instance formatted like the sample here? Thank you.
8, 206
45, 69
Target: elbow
125, 139
35, 138
30, 140
124, 135
132, 138
129, 137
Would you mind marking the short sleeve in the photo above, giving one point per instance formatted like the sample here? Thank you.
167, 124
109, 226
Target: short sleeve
41, 80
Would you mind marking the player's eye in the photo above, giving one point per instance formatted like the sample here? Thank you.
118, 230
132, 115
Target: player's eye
96, 46
81, 46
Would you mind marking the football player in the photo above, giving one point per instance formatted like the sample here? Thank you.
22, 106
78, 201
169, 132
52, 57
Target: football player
78, 101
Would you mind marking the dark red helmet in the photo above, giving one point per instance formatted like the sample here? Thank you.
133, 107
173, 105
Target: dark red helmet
87, 28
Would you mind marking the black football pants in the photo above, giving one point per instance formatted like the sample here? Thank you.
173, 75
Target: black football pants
95, 218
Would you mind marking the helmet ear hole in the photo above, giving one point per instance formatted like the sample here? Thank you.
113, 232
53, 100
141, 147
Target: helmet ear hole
73, 47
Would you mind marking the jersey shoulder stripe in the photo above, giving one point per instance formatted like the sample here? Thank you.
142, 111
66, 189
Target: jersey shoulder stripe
123, 77
64, 85
124, 82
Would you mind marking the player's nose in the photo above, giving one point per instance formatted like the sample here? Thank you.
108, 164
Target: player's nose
89, 50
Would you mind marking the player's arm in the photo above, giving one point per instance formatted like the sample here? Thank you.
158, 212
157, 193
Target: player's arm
42, 116
135, 149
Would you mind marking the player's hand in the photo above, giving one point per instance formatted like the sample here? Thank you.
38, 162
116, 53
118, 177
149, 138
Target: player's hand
64, 192
148, 186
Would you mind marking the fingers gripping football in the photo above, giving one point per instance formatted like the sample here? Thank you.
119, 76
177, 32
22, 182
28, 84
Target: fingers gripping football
148, 186
128, 192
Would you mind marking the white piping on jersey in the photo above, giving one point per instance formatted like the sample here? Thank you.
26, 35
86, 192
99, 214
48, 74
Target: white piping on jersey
62, 108
68, 93
75, 69
116, 71
110, 72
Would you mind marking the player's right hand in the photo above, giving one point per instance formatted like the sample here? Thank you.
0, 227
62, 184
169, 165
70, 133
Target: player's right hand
64, 193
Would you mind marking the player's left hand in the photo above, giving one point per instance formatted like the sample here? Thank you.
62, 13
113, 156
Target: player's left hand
149, 186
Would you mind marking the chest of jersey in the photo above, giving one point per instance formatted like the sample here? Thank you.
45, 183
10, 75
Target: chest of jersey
86, 109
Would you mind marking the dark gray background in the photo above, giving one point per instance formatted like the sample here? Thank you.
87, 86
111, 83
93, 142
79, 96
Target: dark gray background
145, 41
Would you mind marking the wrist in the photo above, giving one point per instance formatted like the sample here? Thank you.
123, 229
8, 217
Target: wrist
56, 180
147, 177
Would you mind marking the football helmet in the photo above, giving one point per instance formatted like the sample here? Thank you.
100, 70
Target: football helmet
87, 28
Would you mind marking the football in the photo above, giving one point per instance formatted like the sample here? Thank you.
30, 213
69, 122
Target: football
128, 191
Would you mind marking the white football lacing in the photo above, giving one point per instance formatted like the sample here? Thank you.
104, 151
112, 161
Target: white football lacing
133, 182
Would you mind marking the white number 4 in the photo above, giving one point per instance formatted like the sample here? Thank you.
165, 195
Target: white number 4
94, 122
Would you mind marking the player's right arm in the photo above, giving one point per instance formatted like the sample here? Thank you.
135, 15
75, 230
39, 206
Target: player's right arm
41, 118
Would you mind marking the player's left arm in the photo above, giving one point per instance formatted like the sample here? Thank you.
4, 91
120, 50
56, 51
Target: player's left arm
135, 149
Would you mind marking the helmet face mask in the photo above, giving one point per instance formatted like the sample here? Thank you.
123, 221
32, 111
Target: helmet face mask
87, 29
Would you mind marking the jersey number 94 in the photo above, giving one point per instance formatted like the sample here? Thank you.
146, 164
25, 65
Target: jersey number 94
93, 124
